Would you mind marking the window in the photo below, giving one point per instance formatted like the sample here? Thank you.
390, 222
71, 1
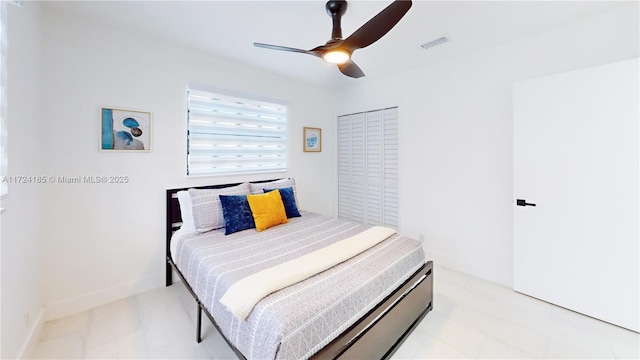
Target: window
231, 134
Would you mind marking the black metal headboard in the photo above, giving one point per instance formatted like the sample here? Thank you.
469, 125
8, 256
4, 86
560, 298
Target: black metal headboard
174, 217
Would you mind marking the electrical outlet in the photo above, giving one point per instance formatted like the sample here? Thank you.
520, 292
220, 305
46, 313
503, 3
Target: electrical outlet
26, 319
421, 237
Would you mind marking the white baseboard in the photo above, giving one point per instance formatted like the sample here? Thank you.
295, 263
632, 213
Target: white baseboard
33, 337
94, 299
476, 270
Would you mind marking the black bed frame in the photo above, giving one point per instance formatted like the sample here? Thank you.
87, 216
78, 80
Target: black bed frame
377, 335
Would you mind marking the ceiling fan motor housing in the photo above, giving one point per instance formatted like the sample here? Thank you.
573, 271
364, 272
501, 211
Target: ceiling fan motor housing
335, 9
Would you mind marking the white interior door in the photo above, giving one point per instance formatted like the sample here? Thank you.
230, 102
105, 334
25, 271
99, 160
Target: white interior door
576, 157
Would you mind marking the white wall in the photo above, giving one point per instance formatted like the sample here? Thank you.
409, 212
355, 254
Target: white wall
21, 244
456, 136
107, 241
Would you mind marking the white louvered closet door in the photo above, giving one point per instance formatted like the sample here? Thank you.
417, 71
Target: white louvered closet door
344, 167
390, 159
373, 123
357, 167
368, 167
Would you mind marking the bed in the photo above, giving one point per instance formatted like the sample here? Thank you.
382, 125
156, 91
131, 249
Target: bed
361, 308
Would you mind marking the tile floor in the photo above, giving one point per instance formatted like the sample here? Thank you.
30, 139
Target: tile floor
472, 318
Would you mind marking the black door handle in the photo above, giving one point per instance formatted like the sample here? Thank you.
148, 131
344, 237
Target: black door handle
521, 202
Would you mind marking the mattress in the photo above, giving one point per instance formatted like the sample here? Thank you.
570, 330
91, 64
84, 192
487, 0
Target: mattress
301, 319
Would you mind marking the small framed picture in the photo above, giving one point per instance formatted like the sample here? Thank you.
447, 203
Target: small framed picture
125, 130
312, 139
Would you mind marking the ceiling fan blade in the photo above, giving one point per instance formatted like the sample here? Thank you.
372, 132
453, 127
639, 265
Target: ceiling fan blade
378, 26
351, 69
281, 48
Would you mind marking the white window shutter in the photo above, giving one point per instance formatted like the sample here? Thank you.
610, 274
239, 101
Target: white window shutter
4, 187
230, 134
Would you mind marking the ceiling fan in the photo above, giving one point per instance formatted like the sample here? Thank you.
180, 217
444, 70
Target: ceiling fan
337, 50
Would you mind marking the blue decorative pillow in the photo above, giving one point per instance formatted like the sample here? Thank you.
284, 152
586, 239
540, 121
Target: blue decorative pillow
237, 213
289, 200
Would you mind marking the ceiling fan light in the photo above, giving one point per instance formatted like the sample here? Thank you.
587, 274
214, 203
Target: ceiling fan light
337, 56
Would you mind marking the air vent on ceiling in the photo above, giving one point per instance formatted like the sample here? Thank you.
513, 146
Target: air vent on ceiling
433, 43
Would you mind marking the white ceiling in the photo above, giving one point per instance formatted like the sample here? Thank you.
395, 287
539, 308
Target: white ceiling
229, 28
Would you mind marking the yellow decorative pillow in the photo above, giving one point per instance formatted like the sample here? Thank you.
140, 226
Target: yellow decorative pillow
268, 209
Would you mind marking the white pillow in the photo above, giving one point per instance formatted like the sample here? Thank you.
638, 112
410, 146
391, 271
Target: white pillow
207, 208
186, 212
277, 184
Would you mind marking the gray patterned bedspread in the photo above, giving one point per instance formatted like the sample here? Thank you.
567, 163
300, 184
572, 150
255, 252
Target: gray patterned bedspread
301, 319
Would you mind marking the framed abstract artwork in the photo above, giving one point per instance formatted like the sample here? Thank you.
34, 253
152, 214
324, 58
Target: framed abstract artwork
312, 139
125, 130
